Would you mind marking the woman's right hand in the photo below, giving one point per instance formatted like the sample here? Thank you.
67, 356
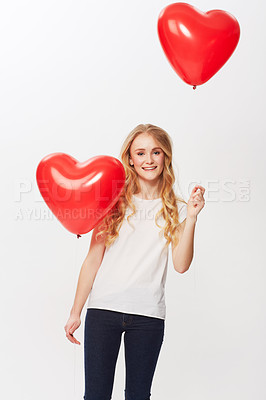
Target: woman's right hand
72, 324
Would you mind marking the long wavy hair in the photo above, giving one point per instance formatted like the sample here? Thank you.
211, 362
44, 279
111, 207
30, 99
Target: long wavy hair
112, 222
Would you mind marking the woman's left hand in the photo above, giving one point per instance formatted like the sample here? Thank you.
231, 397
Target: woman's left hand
196, 201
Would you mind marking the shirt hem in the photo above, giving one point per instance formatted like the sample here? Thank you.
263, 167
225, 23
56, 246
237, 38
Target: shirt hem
124, 310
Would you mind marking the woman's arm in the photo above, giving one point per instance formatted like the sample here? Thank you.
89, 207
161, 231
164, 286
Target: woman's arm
183, 253
88, 272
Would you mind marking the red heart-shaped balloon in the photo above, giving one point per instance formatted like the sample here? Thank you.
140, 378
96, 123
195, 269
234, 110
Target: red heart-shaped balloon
80, 194
197, 44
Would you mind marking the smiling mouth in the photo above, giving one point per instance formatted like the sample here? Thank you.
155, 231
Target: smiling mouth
149, 169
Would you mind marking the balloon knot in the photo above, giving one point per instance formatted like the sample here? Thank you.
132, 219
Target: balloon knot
78, 236
194, 87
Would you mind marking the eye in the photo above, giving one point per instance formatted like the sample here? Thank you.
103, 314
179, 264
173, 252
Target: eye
154, 152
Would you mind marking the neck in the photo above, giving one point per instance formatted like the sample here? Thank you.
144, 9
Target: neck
148, 192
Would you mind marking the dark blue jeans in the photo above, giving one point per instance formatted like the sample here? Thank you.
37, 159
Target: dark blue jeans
143, 337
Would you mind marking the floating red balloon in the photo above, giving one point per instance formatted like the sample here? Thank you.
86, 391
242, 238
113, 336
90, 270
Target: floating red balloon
80, 194
197, 44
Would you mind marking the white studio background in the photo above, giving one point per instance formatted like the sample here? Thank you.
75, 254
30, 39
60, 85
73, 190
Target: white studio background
77, 77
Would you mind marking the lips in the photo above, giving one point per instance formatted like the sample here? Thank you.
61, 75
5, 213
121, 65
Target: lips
149, 169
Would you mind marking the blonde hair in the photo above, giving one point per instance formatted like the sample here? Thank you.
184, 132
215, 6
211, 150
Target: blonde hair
112, 222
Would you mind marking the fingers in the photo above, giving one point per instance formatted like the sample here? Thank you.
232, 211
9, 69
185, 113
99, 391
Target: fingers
197, 193
71, 338
199, 187
197, 196
69, 335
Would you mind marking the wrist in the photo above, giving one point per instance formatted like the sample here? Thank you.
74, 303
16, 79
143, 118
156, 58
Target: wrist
192, 219
75, 312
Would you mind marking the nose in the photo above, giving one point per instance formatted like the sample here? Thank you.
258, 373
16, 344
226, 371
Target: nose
149, 159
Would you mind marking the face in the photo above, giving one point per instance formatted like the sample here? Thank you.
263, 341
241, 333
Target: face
145, 152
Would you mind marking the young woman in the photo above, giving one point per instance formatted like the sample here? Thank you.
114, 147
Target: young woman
126, 266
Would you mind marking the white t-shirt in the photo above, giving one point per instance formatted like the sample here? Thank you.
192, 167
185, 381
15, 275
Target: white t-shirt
132, 275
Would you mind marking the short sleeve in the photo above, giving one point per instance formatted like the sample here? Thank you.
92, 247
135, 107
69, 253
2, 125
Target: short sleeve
182, 210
